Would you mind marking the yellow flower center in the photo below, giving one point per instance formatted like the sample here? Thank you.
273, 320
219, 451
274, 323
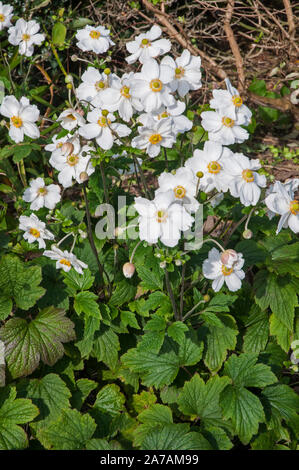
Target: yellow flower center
156, 85
34, 232
248, 176
100, 85
163, 115
294, 207
64, 261
237, 100
26, 37
42, 190
145, 43
161, 216
94, 34
59, 145
226, 271
2, 18
155, 139
228, 122
179, 192
179, 72
103, 121
125, 92
72, 159
214, 167
199, 174
16, 121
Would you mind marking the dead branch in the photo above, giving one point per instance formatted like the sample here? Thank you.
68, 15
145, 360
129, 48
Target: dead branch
233, 44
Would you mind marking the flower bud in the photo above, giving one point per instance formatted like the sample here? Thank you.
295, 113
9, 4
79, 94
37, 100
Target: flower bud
178, 262
229, 257
247, 234
69, 86
74, 58
83, 176
80, 111
107, 71
199, 174
206, 298
163, 265
68, 79
105, 112
128, 270
67, 148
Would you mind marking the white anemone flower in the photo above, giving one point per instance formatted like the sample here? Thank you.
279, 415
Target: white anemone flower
96, 39
118, 97
65, 260
73, 166
153, 136
22, 117
6, 13
208, 165
93, 84
41, 195
70, 118
35, 230
179, 122
161, 219
150, 86
63, 145
183, 187
25, 35
230, 102
147, 45
221, 273
101, 127
246, 183
186, 72
223, 129
282, 202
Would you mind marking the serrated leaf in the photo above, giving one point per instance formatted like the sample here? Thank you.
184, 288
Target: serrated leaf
129, 319
86, 302
244, 371
174, 437
20, 282
123, 293
257, 332
218, 341
177, 331
83, 388
281, 332
151, 278
26, 343
102, 444
110, 400
12, 413
106, 347
71, 432
280, 403
78, 281
154, 417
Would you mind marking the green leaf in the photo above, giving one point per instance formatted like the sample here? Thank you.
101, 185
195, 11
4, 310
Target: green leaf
152, 418
26, 343
200, 399
220, 303
110, 400
123, 293
244, 371
177, 331
257, 332
86, 302
12, 413
102, 444
71, 431
23, 150
19, 282
218, 341
281, 332
244, 409
5, 307
106, 347
286, 259
78, 281
58, 34
174, 437
151, 278
83, 388
279, 294
280, 402
50, 394
85, 343
129, 318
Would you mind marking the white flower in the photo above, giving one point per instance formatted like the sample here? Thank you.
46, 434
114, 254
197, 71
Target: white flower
146, 45
22, 117
41, 195
118, 97
150, 86
161, 219
94, 38
154, 135
65, 260
282, 201
230, 102
179, 122
25, 34
182, 185
186, 73
93, 84
245, 183
209, 165
102, 128
222, 128
70, 118
57, 146
6, 13
213, 268
73, 166
35, 230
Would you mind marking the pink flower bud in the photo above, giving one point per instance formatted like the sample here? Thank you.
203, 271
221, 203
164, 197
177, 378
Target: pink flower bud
128, 270
67, 148
229, 257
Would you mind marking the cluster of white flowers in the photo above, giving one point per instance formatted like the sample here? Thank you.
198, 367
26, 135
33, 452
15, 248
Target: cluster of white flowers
155, 94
